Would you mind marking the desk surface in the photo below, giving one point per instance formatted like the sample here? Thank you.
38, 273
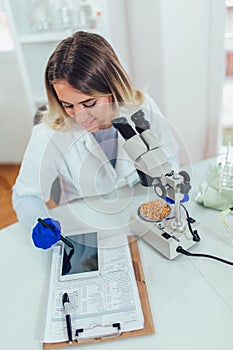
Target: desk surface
191, 298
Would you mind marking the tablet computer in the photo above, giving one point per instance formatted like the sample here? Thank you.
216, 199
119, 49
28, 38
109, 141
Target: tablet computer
82, 260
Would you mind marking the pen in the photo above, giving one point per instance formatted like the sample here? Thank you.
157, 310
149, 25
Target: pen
65, 302
63, 239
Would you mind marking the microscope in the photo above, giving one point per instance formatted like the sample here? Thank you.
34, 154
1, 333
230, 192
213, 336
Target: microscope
154, 170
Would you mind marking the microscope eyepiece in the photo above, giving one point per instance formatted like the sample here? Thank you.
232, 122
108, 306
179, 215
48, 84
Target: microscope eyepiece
141, 124
122, 125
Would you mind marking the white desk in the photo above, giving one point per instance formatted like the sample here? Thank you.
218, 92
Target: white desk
191, 298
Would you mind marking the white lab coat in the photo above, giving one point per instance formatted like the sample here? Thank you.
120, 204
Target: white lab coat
79, 161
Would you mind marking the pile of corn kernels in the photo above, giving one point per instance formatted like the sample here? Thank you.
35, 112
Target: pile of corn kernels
155, 210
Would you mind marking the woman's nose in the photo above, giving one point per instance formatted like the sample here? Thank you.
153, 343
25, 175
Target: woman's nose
77, 108
80, 113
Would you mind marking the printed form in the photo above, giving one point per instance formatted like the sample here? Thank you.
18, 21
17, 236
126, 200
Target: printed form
111, 297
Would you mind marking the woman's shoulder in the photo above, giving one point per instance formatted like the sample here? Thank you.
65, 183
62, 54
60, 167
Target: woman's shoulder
44, 135
40, 136
42, 130
150, 104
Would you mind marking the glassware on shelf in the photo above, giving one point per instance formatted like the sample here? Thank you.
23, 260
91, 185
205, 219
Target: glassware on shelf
77, 15
69, 15
41, 16
87, 14
58, 16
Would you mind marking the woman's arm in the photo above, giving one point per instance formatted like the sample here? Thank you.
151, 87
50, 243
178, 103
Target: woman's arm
28, 209
31, 193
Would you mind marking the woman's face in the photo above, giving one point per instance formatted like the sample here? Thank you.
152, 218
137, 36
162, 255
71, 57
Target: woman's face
92, 113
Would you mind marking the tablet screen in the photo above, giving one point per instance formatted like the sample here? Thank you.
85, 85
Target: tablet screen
82, 260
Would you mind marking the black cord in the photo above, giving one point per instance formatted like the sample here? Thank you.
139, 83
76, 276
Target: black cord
197, 239
194, 233
185, 252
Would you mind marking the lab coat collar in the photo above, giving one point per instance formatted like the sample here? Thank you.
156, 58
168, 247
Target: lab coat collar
124, 166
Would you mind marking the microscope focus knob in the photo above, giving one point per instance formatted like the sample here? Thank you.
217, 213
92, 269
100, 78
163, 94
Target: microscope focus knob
185, 187
160, 190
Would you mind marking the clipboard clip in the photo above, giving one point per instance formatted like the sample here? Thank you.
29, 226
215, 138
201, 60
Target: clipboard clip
98, 332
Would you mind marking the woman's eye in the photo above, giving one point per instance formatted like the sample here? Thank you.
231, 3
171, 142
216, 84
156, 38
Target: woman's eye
68, 107
90, 104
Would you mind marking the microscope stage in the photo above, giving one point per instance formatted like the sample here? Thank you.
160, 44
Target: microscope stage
161, 236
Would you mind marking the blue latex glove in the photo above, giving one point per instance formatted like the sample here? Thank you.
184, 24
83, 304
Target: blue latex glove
44, 237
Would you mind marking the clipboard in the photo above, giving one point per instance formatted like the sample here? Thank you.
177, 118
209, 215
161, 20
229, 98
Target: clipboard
148, 320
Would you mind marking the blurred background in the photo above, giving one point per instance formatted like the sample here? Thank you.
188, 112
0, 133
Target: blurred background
182, 51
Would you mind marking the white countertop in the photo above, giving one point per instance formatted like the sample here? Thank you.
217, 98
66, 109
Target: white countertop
191, 298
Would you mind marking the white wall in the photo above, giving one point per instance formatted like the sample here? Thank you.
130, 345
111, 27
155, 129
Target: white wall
15, 119
145, 45
118, 31
185, 34
15, 114
177, 46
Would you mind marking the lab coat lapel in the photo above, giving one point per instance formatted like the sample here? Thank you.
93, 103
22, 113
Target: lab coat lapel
94, 161
94, 147
124, 165
96, 174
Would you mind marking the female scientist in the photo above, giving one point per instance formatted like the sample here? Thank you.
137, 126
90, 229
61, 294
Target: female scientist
75, 142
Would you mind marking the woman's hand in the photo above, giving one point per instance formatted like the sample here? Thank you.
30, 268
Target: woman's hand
44, 237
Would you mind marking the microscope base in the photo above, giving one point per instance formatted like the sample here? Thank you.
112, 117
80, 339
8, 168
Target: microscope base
160, 236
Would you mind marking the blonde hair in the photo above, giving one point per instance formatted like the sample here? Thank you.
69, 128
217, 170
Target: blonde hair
89, 64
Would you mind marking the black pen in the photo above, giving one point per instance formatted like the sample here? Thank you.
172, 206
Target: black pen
65, 302
62, 238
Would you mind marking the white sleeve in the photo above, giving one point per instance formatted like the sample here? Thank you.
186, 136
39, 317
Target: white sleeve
38, 169
29, 209
31, 191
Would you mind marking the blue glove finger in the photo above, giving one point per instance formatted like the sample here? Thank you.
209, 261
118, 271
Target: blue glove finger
44, 237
